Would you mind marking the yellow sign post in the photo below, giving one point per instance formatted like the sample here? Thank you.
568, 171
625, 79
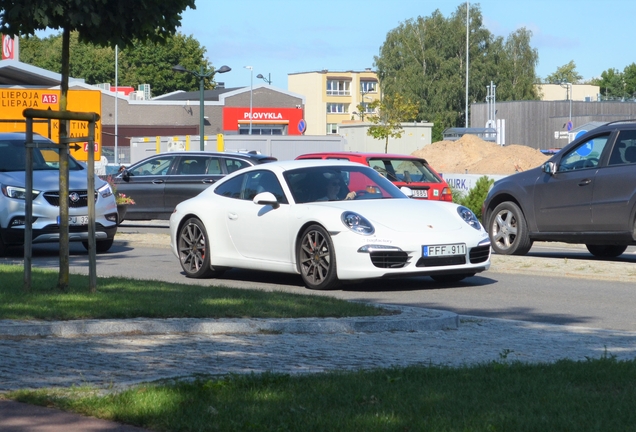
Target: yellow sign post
14, 101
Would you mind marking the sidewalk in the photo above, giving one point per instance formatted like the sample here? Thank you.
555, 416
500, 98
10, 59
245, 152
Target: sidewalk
106, 357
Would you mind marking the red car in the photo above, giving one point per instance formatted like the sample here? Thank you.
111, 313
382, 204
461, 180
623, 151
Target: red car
402, 170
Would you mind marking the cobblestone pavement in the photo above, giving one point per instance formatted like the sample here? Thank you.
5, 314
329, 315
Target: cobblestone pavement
122, 360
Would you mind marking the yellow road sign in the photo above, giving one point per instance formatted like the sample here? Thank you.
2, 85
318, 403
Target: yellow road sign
14, 101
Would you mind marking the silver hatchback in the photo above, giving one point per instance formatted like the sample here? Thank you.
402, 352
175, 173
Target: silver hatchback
46, 211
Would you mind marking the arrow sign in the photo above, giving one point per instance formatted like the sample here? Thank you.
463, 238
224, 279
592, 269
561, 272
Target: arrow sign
75, 147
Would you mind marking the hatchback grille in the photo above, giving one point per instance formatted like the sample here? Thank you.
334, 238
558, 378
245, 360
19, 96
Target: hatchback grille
479, 254
389, 259
81, 200
441, 261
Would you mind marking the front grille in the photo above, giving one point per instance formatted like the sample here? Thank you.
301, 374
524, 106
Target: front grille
479, 254
441, 261
389, 259
53, 198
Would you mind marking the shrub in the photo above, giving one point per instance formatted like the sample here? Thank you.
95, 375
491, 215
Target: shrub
475, 198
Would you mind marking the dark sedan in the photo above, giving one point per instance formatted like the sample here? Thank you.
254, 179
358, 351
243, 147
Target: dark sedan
586, 193
160, 182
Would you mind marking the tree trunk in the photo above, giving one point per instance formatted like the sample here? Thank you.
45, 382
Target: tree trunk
63, 279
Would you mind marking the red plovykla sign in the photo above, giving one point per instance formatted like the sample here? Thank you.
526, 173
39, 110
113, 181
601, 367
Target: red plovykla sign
235, 116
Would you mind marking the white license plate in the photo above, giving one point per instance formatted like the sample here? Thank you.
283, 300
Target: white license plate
75, 220
444, 250
420, 193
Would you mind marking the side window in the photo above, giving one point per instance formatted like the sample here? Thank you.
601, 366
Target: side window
154, 167
267, 182
234, 164
191, 165
585, 155
624, 151
231, 188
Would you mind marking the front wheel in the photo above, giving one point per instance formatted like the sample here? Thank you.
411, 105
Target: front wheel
508, 230
194, 250
606, 251
317, 259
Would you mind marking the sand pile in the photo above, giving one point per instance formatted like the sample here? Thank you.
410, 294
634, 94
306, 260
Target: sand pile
472, 155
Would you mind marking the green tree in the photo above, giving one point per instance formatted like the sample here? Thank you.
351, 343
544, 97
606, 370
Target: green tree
105, 23
424, 59
142, 63
629, 80
387, 119
565, 73
611, 83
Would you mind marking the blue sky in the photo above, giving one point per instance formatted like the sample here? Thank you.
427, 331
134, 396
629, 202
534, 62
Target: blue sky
280, 37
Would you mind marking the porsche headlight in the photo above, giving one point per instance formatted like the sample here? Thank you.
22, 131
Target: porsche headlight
357, 223
469, 217
17, 192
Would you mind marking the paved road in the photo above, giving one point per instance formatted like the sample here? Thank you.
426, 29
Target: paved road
555, 283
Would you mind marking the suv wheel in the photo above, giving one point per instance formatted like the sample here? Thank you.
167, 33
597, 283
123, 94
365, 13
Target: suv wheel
508, 230
606, 251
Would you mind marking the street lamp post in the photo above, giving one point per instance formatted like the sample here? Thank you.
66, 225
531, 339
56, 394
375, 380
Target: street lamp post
201, 76
363, 108
268, 80
251, 92
568, 87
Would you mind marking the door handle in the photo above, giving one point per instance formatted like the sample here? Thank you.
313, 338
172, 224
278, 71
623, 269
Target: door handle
158, 181
585, 182
210, 181
232, 216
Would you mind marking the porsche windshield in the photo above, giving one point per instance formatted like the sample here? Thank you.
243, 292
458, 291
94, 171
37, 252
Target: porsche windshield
315, 183
13, 157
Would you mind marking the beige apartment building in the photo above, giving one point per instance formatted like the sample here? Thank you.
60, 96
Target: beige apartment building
332, 97
575, 92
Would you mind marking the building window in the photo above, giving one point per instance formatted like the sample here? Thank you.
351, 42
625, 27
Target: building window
337, 108
366, 108
368, 87
332, 128
338, 88
260, 129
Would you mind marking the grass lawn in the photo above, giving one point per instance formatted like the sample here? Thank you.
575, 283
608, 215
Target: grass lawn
132, 298
594, 395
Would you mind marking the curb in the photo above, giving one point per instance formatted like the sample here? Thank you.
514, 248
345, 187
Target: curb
409, 319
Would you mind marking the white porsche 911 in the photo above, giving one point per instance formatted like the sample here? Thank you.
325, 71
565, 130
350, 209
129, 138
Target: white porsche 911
328, 221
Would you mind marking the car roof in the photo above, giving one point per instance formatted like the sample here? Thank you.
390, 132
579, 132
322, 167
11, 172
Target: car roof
246, 155
303, 163
364, 155
18, 136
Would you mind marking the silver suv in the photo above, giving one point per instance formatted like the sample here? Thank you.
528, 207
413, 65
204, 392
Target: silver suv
46, 211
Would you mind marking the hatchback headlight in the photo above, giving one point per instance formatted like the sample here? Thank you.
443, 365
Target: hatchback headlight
469, 217
17, 192
105, 191
357, 223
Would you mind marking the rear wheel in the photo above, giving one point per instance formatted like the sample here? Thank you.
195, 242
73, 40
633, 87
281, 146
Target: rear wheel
194, 250
606, 251
317, 259
508, 230
100, 246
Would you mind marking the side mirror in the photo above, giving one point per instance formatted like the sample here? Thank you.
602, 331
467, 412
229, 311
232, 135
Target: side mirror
549, 168
407, 191
125, 175
266, 198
